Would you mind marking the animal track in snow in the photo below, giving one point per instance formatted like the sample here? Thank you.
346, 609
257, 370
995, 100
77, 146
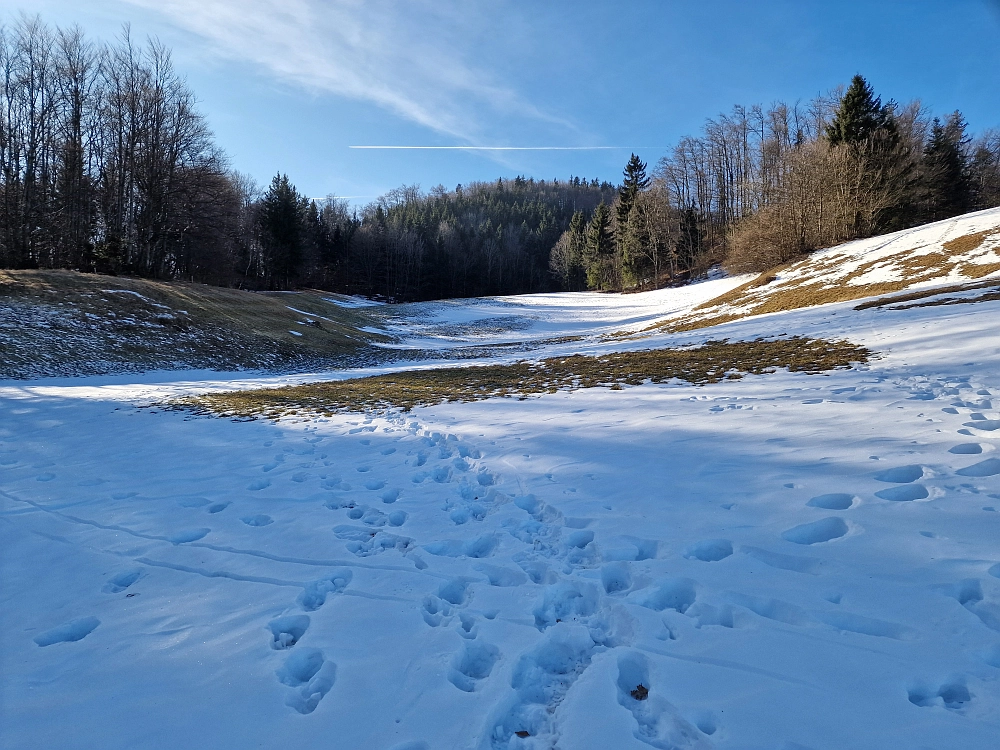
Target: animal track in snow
310, 675
710, 550
817, 532
258, 484
287, 631
832, 501
74, 630
375, 484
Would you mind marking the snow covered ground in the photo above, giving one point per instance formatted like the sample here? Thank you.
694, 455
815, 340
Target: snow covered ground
786, 561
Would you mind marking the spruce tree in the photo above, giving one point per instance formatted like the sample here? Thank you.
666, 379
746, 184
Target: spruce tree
944, 170
599, 247
282, 230
860, 115
635, 182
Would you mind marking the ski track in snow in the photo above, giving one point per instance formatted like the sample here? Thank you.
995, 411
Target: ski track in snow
786, 561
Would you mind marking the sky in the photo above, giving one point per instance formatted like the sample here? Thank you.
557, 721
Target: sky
291, 86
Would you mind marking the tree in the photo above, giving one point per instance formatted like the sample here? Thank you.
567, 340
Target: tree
599, 249
635, 182
859, 115
566, 259
282, 222
944, 170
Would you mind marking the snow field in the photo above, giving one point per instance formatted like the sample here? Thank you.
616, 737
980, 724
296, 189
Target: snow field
786, 561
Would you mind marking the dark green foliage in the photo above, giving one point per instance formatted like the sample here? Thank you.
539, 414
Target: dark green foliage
635, 182
860, 115
599, 250
282, 218
944, 171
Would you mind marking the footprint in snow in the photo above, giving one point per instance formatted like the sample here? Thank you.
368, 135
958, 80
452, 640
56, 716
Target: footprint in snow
48, 476
118, 583
710, 550
966, 449
817, 532
833, 501
258, 520
310, 675
903, 494
472, 664
287, 631
74, 630
659, 724
953, 694
988, 468
190, 535
258, 484
900, 474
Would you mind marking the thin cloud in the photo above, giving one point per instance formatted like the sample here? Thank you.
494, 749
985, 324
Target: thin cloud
506, 148
410, 59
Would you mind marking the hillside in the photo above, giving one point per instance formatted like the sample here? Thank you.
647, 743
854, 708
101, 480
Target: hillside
68, 323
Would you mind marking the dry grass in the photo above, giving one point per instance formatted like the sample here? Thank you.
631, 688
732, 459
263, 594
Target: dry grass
769, 294
709, 363
64, 322
927, 294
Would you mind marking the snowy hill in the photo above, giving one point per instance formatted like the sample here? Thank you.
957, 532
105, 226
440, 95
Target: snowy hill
777, 561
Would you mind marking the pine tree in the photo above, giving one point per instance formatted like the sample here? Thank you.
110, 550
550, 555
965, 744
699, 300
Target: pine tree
599, 248
860, 115
635, 182
282, 230
944, 170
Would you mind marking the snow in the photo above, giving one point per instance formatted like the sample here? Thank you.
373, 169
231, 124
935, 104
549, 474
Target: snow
783, 561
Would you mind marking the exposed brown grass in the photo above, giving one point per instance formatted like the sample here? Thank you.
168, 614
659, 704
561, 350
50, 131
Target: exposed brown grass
709, 363
924, 294
769, 294
967, 242
65, 322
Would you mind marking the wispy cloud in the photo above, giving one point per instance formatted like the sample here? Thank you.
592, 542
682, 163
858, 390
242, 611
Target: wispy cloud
412, 58
505, 148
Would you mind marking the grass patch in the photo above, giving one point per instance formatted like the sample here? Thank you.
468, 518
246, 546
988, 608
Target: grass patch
809, 282
70, 323
709, 363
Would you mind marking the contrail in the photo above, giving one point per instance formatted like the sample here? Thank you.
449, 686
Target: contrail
509, 148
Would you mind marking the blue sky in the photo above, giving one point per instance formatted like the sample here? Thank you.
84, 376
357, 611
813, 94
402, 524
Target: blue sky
290, 85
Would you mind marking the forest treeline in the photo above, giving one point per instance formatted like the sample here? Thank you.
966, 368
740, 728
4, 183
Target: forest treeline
106, 165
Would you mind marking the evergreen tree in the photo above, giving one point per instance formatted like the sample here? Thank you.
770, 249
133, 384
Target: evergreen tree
944, 170
860, 115
566, 258
282, 230
599, 248
635, 182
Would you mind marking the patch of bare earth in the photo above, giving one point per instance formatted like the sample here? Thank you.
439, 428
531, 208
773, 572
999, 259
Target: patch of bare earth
708, 363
